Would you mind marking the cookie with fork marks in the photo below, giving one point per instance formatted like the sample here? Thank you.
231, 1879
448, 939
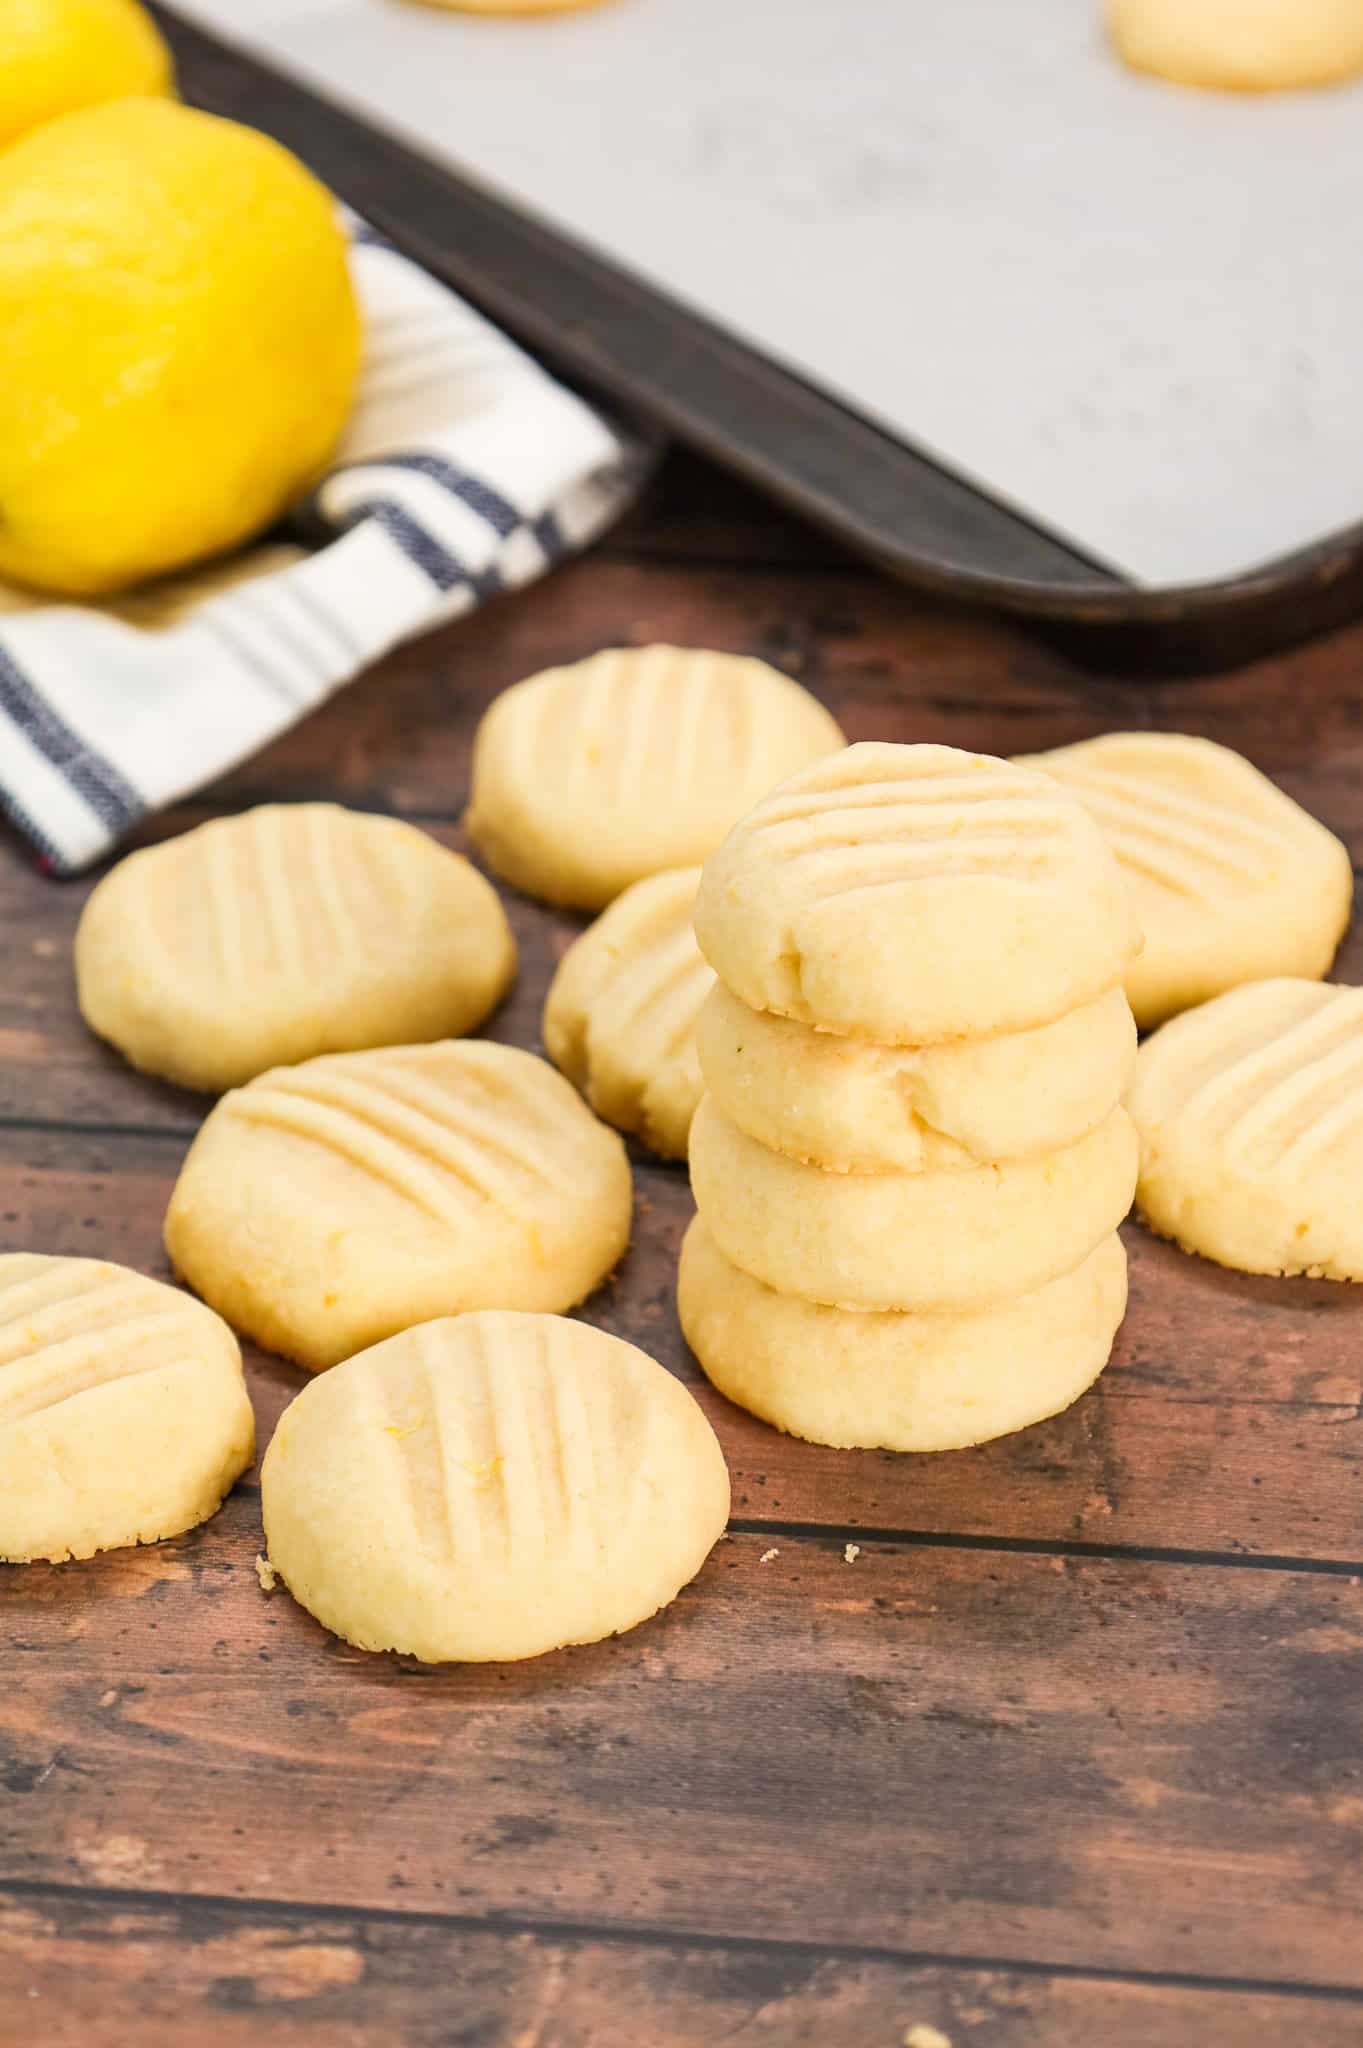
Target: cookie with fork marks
490, 1487
1232, 881
1249, 1112
291, 930
332, 1204
909, 894
124, 1416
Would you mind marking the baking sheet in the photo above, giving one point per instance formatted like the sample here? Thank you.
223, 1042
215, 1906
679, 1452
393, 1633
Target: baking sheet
1133, 312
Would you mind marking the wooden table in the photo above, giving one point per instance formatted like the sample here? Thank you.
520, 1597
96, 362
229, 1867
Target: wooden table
1069, 1753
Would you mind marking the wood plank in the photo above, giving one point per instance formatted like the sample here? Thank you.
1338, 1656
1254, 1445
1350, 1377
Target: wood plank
938, 1776
102, 1972
691, 513
1229, 1420
889, 664
892, 665
52, 1069
1113, 1764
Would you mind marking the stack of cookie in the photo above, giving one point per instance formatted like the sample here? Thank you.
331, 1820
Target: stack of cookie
911, 1161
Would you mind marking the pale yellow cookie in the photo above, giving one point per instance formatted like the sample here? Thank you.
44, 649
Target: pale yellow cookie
621, 1015
291, 930
1231, 880
586, 779
1250, 1117
864, 1380
1241, 45
957, 1239
326, 1206
492, 1486
847, 1104
124, 1416
910, 894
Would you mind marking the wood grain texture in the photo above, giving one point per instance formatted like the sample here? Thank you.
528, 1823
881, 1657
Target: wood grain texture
1069, 1754
889, 666
236, 1975
1053, 1760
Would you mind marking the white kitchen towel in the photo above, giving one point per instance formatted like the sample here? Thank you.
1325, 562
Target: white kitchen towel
465, 471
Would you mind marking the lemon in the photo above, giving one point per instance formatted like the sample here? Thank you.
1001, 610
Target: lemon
57, 55
179, 342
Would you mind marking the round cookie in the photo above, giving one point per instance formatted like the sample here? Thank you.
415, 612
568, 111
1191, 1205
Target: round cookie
863, 1380
1250, 1117
124, 1416
492, 1486
620, 1020
327, 1206
1241, 45
952, 1240
586, 779
910, 894
849, 1105
292, 930
1231, 880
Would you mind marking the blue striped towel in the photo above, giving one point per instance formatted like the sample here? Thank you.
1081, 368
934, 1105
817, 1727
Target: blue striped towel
466, 471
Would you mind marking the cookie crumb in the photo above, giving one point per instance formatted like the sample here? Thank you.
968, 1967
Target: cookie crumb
851, 1553
767, 1556
109, 1698
266, 1573
922, 2036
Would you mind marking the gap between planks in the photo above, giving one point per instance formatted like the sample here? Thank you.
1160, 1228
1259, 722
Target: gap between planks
837, 1535
643, 1936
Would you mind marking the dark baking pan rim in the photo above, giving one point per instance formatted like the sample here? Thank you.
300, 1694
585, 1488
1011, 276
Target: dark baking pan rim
611, 332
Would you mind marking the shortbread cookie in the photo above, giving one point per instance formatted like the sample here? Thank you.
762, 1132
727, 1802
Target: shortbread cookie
492, 1486
291, 930
1231, 880
951, 1240
1250, 1117
910, 894
621, 1016
864, 1380
586, 779
1241, 45
851, 1105
124, 1416
330, 1205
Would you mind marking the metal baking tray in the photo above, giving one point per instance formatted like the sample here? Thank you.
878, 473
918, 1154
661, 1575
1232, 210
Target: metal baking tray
619, 335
